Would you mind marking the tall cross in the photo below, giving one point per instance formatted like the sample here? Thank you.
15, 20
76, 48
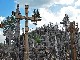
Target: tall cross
72, 31
34, 18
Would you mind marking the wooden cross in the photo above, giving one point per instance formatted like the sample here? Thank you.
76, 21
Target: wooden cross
1, 25
72, 31
36, 17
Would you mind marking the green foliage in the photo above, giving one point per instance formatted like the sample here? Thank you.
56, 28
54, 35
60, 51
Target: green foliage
9, 22
36, 37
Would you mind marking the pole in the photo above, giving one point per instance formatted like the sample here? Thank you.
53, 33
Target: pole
26, 47
72, 35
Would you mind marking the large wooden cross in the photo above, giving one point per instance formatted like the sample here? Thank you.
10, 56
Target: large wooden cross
72, 31
34, 18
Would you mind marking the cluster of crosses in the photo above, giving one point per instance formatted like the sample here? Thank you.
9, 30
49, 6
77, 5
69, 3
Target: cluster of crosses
52, 43
56, 44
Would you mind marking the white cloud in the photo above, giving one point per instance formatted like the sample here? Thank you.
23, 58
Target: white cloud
2, 38
42, 3
74, 14
34, 3
48, 16
21, 32
1, 19
77, 3
67, 2
71, 11
1, 33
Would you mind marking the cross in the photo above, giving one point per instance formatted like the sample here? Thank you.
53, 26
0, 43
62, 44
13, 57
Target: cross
36, 17
72, 31
1, 25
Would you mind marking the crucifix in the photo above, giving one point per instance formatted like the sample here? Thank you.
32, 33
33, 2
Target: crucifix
36, 17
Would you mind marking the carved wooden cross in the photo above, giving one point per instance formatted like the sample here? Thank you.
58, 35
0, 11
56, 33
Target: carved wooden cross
36, 17
72, 31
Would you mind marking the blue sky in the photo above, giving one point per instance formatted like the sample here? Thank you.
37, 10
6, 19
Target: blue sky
50, 10
6, 6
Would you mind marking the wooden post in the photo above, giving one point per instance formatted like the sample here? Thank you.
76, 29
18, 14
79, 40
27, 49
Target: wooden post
26, 52
72, 30
1, 25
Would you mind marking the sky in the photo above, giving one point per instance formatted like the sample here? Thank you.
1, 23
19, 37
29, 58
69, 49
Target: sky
50, 11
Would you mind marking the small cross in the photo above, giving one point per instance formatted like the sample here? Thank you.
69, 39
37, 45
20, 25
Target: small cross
1, 25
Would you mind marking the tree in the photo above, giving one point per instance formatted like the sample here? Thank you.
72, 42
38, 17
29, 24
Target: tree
9, 22
36, 37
